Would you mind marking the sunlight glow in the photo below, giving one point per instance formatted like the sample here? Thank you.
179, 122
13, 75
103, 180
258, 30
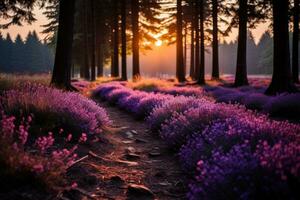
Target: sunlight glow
158, 43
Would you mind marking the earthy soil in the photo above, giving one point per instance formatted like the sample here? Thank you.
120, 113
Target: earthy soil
128, 162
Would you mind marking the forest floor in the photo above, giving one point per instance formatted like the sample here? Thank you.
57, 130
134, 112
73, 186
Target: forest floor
129, 163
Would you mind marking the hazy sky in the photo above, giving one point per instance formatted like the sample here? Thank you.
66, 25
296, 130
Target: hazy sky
160, 58
41, 19
23, 30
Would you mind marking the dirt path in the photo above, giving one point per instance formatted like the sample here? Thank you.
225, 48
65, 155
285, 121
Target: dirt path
136, 165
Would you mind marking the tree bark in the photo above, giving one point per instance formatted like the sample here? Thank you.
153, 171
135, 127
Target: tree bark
179, 44
124, 47
115, 63
86, 44
93, 42
135, 40
295, 61
241, 68
197, 38
201, 77
100, 60
100, 42
192, 61
281, 79
185, 47
63, 57
215, 43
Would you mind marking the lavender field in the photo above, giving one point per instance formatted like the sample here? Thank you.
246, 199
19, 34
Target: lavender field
225, 149
237, 143
149, 99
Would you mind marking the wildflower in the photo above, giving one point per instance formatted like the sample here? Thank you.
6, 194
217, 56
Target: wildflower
83, 138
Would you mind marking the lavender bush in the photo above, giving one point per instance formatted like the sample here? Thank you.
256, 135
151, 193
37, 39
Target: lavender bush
251, 96
237, 175
56, 108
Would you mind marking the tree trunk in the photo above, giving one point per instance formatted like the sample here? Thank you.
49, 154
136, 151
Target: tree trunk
192, 61
86, 44
281, 80
215, 43
179, 45
201, 78
100, 42
124, 47
197, 31
295, 61
135, 40
100, 60
63, 57
82, 61
115, 69
185, 47
93, 41
241, 68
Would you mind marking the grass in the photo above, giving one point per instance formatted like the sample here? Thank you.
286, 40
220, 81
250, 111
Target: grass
13, 81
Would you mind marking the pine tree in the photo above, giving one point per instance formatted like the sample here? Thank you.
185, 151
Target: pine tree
295, 54
135, 39
265, 54
282, 77
8, 53
124, 39
179, 44
63, 58
2, 46
215, 43
201, 76
18, 54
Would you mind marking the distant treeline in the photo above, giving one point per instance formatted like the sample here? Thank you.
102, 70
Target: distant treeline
259, 56
34, 56
29, 56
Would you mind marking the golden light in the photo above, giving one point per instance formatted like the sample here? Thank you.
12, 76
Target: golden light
158, 43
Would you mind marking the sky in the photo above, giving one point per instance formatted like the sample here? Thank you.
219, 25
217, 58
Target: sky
41, 20
23, 30
161, 57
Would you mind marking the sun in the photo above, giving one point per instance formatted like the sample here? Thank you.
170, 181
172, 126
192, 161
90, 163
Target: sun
158, 43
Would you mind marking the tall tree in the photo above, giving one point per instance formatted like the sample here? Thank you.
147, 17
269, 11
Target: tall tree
281, 79
18, 51
197, 38
8, 52
295, 55
192, 57
63, 57
124, 40
201, 77
86, 66
179, 44
93, 41
215, 43
100, 37
241, 65
135, 39
115, 40
185, 46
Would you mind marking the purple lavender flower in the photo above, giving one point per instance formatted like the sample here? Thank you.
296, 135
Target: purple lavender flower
68, 109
